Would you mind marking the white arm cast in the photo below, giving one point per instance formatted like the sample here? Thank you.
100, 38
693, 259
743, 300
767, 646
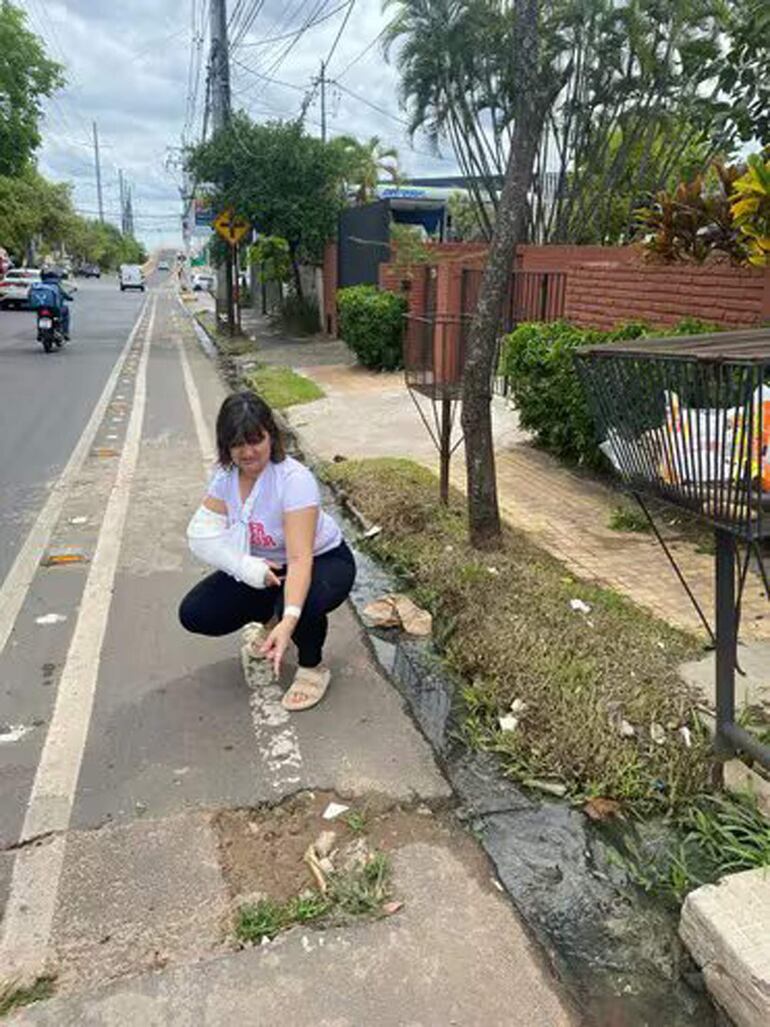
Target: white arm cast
207, 538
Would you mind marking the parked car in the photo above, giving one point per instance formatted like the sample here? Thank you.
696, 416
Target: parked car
131, 277
203, 281
163, 265
89, 271
14, 288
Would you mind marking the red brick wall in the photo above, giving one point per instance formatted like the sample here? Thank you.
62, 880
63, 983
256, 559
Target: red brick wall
560, 258
330, 288
410, 282
601, 295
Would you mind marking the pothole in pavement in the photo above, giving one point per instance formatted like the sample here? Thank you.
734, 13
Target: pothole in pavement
290, 864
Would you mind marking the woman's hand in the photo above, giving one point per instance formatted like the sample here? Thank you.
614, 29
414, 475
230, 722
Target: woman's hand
276, 642
271, 578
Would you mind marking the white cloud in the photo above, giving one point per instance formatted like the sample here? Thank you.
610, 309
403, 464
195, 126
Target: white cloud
128, 68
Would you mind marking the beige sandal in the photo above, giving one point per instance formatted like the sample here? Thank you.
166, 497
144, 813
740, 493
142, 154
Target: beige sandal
307, 689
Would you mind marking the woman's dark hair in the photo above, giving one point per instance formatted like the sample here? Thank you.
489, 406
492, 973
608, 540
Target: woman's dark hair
244, 417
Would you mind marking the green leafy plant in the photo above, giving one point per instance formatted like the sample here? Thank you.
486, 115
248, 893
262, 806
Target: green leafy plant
695, 221
538, 361
372, 324
300, 314
751, 209
271, 253
407, 246
717, 835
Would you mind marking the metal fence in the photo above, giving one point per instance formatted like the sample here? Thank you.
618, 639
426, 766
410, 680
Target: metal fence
531, 296
688, 420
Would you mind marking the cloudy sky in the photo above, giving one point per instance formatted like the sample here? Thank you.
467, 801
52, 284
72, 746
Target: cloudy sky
133, 68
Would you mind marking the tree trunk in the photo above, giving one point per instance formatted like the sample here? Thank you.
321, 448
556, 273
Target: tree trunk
510, 229
297, 276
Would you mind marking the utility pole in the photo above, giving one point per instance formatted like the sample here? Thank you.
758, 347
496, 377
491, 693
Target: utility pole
323, 101
129, 212
122, 202
220, 118
98, 174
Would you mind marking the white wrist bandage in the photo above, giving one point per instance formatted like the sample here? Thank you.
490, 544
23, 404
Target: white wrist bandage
207, 535
292, 611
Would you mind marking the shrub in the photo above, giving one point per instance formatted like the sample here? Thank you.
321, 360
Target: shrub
300, 315
538, 361
372, 324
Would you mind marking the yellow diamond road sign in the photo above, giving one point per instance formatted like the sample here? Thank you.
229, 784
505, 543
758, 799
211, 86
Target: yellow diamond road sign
230, 226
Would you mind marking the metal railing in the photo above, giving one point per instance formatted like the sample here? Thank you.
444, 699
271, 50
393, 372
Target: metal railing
687, 420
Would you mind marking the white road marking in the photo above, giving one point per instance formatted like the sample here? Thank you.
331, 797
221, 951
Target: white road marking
205, 438
37, 869
19, 578
277, 739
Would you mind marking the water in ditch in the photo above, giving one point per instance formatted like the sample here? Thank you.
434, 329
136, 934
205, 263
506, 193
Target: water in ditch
616, 949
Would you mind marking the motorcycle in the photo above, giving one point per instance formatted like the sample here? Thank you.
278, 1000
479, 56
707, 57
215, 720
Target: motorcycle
49, 329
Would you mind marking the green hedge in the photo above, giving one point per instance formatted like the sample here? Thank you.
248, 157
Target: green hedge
537, 360
372, 324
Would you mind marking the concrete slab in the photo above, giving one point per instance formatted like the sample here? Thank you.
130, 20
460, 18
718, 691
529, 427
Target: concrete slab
138, 897
370, 415
455, 954
725, 927
753, 689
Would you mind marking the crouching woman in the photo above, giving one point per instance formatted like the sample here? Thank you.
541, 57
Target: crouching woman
277, 553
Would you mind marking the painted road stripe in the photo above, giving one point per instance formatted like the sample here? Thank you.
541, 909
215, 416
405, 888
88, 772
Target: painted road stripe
37, 868
276, 737
21, 575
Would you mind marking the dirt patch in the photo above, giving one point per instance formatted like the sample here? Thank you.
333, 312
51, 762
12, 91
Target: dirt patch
262, 850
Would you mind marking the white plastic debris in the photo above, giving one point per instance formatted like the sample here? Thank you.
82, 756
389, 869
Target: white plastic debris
579, 606
50, 618
657, 733
371, 532
333, 810
78, 520
626, 729
493, 570
518, 706
13, 732
686, 735
508, 722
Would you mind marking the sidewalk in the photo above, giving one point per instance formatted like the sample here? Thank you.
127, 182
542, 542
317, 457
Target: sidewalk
197, 794
565, 512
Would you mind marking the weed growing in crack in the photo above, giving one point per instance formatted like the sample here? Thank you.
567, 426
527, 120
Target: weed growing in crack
718, 835
13, 996
357, 892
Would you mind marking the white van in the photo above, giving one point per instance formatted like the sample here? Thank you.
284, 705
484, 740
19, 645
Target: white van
131, 277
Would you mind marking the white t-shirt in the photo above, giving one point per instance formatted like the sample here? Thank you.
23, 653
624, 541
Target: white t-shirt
279, 489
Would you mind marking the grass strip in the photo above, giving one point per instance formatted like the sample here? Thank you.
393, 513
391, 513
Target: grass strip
598, 702
280, 387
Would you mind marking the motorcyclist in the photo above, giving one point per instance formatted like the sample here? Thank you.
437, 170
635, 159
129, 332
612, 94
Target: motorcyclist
54, 279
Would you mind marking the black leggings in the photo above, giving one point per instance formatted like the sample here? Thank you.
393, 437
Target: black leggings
219, 604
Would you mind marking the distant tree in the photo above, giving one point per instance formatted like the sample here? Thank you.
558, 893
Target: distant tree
283, 180
34, 211
26, 76
364, 164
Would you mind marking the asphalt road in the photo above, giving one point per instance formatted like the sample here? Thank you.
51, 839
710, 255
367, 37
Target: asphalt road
46, 399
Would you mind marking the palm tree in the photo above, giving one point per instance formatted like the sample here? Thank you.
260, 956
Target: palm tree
363, 164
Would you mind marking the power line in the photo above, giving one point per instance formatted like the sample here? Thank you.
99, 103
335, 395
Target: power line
368, 103
294, 32
337, 38
267, 78
363, 53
